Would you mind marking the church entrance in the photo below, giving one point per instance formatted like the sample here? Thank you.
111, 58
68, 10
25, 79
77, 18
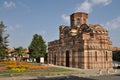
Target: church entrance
67, 58
54, 59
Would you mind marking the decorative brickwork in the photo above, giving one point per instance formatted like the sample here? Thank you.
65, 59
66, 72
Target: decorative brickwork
81, 45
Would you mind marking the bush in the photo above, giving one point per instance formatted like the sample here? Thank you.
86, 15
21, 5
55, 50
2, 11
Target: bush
8, 62
13, 63
17, 68
23, 66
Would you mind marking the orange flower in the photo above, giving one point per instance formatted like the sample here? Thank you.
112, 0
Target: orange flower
12, 63
3, 68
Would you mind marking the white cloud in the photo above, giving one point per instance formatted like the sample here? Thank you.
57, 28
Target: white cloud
104, 2
87, 5
84, 7
66, 18
17, 26
115, 23
9, 4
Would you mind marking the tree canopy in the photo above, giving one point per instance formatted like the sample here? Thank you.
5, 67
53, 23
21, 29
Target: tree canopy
37, 47
116, 55
3, 41
18, 52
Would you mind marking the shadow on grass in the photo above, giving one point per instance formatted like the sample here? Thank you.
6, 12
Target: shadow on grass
62, 78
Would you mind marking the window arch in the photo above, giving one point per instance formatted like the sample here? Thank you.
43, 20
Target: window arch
72, 22
106, 56
78, 21
95, 55
66, 33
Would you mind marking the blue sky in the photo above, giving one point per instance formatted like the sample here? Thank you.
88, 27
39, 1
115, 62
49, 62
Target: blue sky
24, 18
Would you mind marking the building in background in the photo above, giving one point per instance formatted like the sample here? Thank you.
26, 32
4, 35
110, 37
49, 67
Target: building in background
81, 45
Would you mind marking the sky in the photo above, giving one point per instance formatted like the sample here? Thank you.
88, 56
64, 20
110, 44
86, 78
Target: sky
24, 18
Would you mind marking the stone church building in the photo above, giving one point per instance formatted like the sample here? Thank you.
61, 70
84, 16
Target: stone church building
81, 45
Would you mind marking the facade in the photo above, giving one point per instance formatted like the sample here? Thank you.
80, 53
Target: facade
12, 55
81, 45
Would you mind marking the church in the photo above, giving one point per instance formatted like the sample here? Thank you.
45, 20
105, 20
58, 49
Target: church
81, 45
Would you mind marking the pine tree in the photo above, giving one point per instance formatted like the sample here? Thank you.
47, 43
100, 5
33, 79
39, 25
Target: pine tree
37, 47
3, 41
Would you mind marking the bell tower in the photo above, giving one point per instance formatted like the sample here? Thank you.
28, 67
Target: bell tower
78, 18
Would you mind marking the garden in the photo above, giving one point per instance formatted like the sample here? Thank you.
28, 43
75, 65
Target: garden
9, 68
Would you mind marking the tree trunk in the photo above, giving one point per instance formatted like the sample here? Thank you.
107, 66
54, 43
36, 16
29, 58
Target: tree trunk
17, 60
38, 60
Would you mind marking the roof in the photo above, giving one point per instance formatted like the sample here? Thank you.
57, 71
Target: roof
80, 13
96, 27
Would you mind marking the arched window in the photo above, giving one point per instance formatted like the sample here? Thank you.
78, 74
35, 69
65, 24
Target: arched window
66, 33
72, 22
106, 56
78, 21
95, 56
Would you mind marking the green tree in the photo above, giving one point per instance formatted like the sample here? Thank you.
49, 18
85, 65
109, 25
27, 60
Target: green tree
18, 52
37, 47
3, 42
116, 55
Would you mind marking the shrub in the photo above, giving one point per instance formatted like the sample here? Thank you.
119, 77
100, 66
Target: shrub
13, 63
20, 68
23, 66
8, 62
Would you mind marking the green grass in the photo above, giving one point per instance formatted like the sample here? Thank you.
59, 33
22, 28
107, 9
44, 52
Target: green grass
37, 72
9, 73
51, 71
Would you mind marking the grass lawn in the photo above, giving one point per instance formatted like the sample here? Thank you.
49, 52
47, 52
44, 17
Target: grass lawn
40, 72
37, 72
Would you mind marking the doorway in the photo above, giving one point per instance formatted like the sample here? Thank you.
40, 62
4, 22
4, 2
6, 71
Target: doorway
67, 59
54, 59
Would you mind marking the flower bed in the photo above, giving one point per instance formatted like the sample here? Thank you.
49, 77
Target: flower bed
23, 66
12, 63
3, 68
18, 68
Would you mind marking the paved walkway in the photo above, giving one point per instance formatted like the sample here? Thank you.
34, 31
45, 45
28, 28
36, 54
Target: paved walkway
107, 77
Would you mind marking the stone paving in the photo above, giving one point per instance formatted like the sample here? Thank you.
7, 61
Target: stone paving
109, 77
105, 77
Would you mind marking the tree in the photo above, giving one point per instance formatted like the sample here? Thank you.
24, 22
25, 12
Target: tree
37, 47
19, 54
116, 55
3, 42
